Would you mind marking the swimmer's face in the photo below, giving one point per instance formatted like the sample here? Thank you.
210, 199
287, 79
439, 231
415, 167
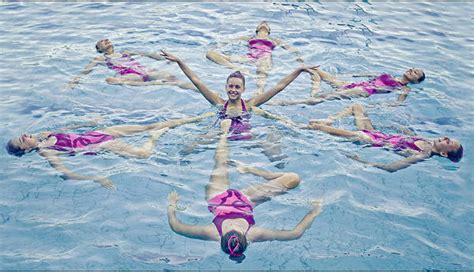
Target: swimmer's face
234, 88
103, 45
444, 145
25, 142
263, 25
414, 75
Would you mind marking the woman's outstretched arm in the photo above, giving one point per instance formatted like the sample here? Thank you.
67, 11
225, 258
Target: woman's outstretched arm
144, 54
89, 67
403, 96
267, 95
57, 164
211, 96
261, 234
394, 166
290, 49
191, 231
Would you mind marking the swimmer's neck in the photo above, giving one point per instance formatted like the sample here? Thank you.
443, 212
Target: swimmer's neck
234, 103
403, 81
262, 34
109, 51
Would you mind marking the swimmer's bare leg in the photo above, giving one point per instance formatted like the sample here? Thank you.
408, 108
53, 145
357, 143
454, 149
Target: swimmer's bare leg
361, 119
204, 139
164, 78
344, 94
315, 84
330, 79
278, 182
129, 151
263, 66
125, 130
269, 115
219, 181
348, 111
227, 61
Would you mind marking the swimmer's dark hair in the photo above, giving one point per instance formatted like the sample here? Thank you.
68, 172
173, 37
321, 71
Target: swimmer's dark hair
14, 150
421, 78
237, 74
456, 155
234, 243
263, 22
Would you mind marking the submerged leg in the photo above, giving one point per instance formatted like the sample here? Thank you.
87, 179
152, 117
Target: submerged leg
361, 119
126, 150
330, 79
332, 118
221, 59
315, 84
278, 183
272, 149
263, 66
125, 130
219, 181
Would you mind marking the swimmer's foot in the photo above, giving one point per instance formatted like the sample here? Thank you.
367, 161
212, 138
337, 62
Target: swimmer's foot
326, 122
316, 204
225, 125
241, 167
155, 134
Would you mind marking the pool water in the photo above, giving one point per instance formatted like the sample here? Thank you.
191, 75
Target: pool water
416, 218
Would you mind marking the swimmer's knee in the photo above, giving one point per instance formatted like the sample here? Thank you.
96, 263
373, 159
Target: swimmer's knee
113, 80
143, 154
211, 54
292, 180
357, 107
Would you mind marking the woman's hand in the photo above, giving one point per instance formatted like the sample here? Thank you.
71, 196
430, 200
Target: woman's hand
309, 68
173, 199
316, 204
169, 56
107, 183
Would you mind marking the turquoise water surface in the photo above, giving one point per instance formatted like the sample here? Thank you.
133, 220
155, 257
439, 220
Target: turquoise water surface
416, 218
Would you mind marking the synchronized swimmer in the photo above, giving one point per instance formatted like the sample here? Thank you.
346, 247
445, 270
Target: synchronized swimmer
234, 224
128, 70
260, 49
384, 83
51, 145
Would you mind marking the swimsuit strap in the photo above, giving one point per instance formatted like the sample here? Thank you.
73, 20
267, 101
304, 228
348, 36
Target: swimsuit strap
244, 108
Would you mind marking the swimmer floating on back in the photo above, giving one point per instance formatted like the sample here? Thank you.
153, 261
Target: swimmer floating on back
414, 148
128, 70
52, 144
234, 224
260, 53
344, 90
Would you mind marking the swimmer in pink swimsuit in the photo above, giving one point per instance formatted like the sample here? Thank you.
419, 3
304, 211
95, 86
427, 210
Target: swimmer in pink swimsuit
381, 84
52, 145
234, 224
415, 149
260, 49
236, 107
128, 70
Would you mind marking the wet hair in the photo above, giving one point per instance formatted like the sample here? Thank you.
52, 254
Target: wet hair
237, 74
456, 155
422, 77
97, 46
234, 243
263, 23
14, 150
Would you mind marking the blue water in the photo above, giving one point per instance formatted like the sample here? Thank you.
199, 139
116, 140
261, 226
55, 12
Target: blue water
416, 218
